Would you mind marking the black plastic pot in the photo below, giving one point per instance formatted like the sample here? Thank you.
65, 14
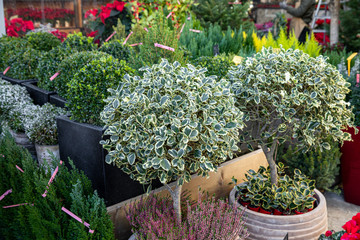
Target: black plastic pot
15, 81
40, 96
57, 100
80, 142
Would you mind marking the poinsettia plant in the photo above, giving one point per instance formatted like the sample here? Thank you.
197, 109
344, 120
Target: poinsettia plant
17, 27
101, 21
351, 231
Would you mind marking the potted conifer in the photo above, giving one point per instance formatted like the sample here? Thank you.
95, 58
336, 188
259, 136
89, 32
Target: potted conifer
290, 96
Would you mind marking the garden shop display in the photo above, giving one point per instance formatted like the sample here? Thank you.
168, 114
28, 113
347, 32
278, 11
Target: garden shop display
153, 217
171, 123
33, 208
351, 231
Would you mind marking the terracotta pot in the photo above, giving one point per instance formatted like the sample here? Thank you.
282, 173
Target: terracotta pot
44, 153
307, 226
264, 211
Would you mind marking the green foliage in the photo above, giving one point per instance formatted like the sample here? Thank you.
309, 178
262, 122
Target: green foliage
70, 66
88, 88
78, 42
335, 57
322, 166
49, 65
24, 63
333, 236
116, 49
41, 126
355, 91
171, 123
291, 95
9, 46
202, 44
44, 219
42, 41
218, 65
350, 25
291, 193
147, 54
221, 12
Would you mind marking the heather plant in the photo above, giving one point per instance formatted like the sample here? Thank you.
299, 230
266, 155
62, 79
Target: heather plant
70, 66
171, 123
154, 217
290, 95
89, 85
42, 41
117, 49
40, 126
24, 63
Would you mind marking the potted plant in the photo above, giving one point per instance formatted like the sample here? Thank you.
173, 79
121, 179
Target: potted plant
92, 74
290, 96
41, 129
171, 123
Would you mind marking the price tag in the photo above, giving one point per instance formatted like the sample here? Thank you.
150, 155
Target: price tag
349, 61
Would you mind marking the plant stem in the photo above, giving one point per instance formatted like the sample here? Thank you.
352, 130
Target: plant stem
176, 197
269, 153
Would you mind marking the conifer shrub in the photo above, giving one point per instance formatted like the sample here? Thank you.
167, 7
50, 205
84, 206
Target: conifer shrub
42, 41
116, 49
320, 165
350, 25
42, 217
78, 42
49, 64
24, 63
70, 66
88, 88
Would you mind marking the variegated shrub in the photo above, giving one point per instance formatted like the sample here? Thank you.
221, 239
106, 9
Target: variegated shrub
171, 123
290, 95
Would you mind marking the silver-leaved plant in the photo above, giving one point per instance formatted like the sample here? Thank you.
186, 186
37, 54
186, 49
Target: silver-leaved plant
289, 95
171, 123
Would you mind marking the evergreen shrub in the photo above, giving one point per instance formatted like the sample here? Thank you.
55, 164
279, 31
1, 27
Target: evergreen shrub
116, 49
78, 42
218, 65
42, 41
9, 46
88, 88
45, 219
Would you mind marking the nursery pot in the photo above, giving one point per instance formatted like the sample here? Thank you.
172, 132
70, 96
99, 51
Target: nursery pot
22, 140
13, 80
57, 100
350, 167
44, 153
40, 96
307, 226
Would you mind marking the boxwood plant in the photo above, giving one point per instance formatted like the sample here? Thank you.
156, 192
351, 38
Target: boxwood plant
290, 95
43, 41
172, 122
79, 42
116, 49
70, 66
88, 88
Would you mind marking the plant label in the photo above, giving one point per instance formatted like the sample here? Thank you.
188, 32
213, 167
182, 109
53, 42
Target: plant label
54, 76
7, 69
146, 29
349, 61
110, 36
169, 15
193, 30
77, 218
135, 44
19, 168
127, 38
17, 205
5, 193
164, 47
357, 80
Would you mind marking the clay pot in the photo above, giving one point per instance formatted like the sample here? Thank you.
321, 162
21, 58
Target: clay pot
307, 226
44, 153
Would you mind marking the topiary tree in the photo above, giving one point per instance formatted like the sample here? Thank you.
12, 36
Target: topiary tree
42, 41
90, 86
169, 124
290, 95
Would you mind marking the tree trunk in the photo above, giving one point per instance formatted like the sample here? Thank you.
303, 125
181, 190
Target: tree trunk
334, 7
176, 197
269, 153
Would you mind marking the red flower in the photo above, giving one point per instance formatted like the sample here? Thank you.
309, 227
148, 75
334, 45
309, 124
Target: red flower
328, 21
351, 227
92, 34
356, 218
10, 31
319, 21
349, 236
328, 233
105, 13
93, 12
29, 25
119, 5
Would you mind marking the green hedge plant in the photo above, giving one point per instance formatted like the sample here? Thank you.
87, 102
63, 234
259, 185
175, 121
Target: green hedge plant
42, 41
117, 49
289, 95
218, 65
70, 66
171, 123
78, 42
88, 88
9, 46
